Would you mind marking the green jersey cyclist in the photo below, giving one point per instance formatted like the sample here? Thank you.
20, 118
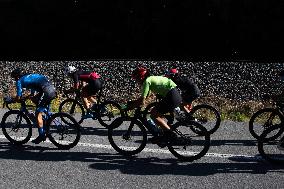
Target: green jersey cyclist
163, 87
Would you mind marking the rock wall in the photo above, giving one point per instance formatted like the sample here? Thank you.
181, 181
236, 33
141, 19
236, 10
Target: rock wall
232, 80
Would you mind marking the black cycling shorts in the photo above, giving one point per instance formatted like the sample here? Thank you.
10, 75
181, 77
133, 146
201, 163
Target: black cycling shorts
45, 97
93, 87
172, 100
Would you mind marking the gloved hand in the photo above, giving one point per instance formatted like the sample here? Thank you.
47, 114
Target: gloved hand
8, 100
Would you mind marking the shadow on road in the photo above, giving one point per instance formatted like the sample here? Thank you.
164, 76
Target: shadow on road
137, 165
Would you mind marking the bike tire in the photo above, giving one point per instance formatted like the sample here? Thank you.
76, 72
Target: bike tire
267, 146
208, 116
63, 130
125, 143
194, 146
260, 122
69, 106
107, 112
11, 128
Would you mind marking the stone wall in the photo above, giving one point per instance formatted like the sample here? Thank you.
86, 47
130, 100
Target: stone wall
232, 80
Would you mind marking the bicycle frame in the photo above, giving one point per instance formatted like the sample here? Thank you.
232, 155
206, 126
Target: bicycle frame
32, 116
279, 107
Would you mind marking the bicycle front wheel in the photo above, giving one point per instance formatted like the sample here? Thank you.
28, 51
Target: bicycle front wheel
74, 108
264, 119
63, 130
16, 127
107, 112
190, 146
127, 136
272, 149
207, 116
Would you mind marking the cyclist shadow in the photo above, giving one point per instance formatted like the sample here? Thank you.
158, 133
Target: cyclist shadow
157, 166
99, 131
221, 142
137, 165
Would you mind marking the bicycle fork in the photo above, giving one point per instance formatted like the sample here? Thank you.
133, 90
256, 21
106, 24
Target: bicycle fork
17, 125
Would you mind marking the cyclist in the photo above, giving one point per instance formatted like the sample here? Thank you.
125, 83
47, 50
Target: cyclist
41, 89
89, 82
189, 89
163, 87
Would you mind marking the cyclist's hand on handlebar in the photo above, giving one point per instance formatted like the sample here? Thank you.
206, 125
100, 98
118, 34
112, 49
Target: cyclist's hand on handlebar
8, 100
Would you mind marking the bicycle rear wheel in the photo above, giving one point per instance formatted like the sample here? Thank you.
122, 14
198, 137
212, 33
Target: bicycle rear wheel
207, 116
16, 127
63, 130
264, 119
107, 112
269, 148
190, 146
74, 108
127, 136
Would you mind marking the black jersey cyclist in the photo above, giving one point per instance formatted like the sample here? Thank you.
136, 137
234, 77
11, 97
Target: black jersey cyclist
89, 82
165, 88
189, 89
41, 89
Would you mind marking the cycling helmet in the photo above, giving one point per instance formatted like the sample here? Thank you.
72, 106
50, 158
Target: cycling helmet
69, 69
171, 72
16, 73
139, 73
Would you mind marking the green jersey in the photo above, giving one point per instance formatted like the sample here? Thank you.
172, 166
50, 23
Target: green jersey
158, 85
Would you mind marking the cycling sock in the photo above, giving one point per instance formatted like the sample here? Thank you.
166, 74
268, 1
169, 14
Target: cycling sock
41, 131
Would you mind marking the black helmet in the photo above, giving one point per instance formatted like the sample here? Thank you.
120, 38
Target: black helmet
16, 73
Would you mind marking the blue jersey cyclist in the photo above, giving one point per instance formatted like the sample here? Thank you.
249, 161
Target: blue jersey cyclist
89, 82
163, 87
41, 89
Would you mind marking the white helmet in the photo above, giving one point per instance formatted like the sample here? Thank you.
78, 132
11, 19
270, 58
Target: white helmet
69, 69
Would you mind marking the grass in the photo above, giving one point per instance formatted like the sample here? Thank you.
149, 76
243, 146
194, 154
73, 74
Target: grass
229, 109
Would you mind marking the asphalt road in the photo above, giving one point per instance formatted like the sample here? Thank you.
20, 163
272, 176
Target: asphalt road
232, 162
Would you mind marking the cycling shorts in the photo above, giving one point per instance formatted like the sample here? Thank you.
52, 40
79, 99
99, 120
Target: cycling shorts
172, 100
93, 87
45, 97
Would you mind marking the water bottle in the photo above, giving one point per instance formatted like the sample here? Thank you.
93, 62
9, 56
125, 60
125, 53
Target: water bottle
153, 127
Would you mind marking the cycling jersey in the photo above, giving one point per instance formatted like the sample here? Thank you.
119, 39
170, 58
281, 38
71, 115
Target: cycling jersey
34, 82
40, 84
190, 90
83, 76
94, 84
158, 85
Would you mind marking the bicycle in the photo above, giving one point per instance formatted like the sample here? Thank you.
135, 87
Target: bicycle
205, 114
104, 111
269, 144
59, 127
128, 136
266, 118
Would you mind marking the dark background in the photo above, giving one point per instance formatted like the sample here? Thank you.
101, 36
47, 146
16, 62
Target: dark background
141, 29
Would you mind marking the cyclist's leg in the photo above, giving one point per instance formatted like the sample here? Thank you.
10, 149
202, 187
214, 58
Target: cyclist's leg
168, 104
188, 98
47, 96
39, 116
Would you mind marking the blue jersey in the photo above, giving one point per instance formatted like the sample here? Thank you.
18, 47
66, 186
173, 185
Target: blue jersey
33, 82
